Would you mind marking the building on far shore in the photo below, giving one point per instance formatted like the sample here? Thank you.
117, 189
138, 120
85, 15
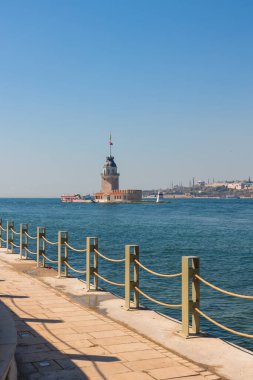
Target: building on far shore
110, 191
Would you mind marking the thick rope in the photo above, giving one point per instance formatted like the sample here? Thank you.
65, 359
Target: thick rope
75, 249
51, 261
15, 245
158, 302
30, 237
221, 290
16, 233
155, 273
222, 326
49, 242
3, 229
32, 253
108, 258
5, 241
106, 280
75, 270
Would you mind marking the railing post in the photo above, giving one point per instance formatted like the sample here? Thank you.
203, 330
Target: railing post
12, 237
23, 239
131, 253
43, 249
62, 236
38, 247
9, 233
1, 234
136, 276
59, 254
66, 253
188, 305
195, 296
95, 269
90, 245
88, 248
127, 276
25, 245
41, 245
7, 236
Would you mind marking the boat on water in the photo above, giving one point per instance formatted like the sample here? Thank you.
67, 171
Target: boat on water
159, 197
76, 198
156, 198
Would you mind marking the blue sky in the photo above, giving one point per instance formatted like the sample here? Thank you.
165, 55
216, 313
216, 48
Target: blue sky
171, 79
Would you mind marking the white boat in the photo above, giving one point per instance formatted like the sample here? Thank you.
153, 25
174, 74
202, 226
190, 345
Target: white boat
159, 197
71, 198
76, 198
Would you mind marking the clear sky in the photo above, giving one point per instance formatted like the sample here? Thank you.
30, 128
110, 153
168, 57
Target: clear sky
171, 79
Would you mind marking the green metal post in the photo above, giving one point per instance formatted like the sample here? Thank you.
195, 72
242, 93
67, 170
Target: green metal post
136, 275
12, 237
59, 254
95, 270
26, 243
90, 245
65, 239
9, 240
195, 296
127, 276
1, 234
190, 266
131, 253
41, 245
23, 240
62, 237
7, 236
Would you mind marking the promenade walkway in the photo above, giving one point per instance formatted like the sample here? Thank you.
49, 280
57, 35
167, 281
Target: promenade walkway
61, 339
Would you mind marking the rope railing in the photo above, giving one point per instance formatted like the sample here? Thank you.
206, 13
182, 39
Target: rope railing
156, 301
108, 258
48, 259
75, 249
30, 237
222, 326
15, 245
15, 232
156, 273
222, 290
190, 276
31, 252
106, 280
49, 242
73, 269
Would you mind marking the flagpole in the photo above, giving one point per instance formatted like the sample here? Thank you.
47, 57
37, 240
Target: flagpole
110, 143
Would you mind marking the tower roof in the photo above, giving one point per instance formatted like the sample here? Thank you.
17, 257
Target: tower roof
110, 162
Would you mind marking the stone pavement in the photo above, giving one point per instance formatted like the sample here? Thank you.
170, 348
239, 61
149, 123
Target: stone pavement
60, 339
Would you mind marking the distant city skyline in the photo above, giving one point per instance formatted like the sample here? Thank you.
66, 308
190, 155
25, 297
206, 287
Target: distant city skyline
172, 81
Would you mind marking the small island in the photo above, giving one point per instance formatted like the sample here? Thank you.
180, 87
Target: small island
110, 192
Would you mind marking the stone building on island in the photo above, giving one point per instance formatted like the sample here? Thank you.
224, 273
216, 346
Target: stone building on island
110, 191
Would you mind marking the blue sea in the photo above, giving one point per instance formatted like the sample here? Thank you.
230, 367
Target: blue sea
218, 231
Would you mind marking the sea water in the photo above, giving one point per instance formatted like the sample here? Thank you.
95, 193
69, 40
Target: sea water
219, 231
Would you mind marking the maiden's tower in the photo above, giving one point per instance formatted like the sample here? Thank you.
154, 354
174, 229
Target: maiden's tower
110, 191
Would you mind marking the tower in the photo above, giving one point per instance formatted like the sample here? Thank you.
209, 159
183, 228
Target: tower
110, 176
